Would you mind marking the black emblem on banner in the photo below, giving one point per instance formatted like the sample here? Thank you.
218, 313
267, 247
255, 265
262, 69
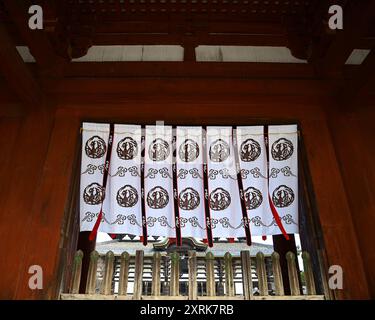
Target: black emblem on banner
253, 198
219, 151
157, 198
159, 150
250, 150
93, 194
282, 149
283, 196
219, 199
188, 199
95, 147
127, 149
127, 196
189, 150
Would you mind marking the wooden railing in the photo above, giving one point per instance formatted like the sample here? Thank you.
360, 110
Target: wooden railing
135, 265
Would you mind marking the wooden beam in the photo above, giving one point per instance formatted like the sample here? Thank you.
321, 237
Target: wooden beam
190, 69
15, 71
37, 40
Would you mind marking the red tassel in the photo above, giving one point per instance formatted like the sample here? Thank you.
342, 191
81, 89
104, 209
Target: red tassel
231, 240
112, 235
141, 238
277, 218
264, 238
94, 231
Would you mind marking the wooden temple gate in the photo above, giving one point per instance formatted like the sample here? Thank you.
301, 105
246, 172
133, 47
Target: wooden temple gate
243, 269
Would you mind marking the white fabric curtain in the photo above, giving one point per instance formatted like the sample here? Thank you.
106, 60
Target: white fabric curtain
159, 181
283, 154
122, 199
225, 205
189, 160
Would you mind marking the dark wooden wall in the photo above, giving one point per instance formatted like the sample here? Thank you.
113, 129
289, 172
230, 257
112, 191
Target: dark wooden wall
39, 147
353, 133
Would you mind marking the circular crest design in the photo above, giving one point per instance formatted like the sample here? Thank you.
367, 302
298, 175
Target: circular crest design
253, 198
93, 194
159, 150
282, 149
189, 150
250, 150
283, 196
188, 199
127, 196
127, 149
95, 147
219, 199
219, 151
157, 198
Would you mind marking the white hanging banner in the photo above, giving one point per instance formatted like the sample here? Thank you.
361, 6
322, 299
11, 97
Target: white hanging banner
253, 164
224, 200
92, 194
125, 181
189, 160
283, 175
159, 181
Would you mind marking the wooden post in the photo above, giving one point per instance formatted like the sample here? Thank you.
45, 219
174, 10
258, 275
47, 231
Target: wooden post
138, 275
293, 274
106, 288
87, 248
228, 267
246, 275
193, 290
175, 274
277, 276
91, 277
309, 275
124, 274
77, 269
155, 289
262, 274
282, 247
210, 274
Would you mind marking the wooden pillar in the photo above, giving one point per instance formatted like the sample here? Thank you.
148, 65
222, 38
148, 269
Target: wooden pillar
282, 247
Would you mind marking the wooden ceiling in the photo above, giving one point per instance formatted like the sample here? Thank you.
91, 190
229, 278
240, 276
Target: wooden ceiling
73, 26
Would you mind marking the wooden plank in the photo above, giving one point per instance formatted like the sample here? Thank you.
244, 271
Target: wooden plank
293, 274
262, 274
156, 284
106, 288
309, 274
246, 275
124, 274
194, 69
138, 274
277, 276
175, 274
193, 289
228, 269
210, 274
91, 278
76, 270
